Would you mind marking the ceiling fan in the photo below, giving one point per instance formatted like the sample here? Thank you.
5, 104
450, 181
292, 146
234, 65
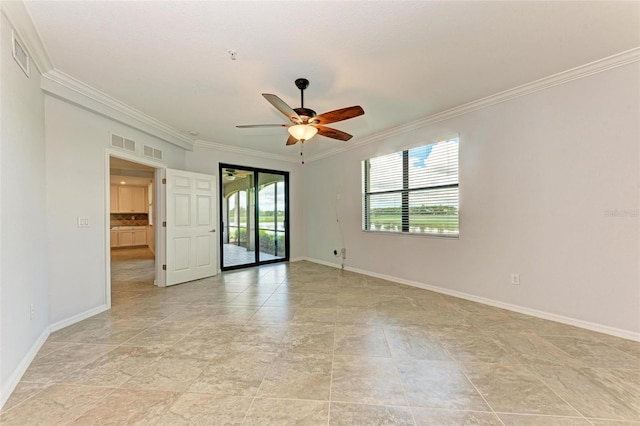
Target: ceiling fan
306, 123
233, 174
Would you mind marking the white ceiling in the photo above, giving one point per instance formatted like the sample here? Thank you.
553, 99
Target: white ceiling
399, 60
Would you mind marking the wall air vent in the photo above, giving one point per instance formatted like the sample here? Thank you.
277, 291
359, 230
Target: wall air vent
20, 53
123, 143
152, 152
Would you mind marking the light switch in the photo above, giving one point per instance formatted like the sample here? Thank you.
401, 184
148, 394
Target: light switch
83, 221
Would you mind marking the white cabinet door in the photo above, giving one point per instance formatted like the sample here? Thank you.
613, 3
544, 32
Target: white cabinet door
191, 226
113, 205
132, 199
139, 237
125, 238
139, 199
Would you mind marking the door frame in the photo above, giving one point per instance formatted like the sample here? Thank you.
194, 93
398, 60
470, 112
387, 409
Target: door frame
159, 212
256, 203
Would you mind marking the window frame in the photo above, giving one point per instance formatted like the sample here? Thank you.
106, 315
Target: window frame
405, 191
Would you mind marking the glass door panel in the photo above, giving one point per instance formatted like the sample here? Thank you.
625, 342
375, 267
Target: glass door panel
255, 216
271, 216
238, 211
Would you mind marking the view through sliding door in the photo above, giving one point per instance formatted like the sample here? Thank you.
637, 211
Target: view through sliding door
254, 212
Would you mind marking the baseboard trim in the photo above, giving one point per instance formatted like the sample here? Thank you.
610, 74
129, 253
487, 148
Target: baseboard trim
14, 379
297, 259
77, 318
625, 334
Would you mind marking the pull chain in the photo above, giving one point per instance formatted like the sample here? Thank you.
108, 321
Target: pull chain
302, 151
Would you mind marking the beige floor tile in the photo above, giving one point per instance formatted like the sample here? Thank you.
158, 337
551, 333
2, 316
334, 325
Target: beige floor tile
309, 338
167, 373
201, 409
56, 366
366, 380
515, 389
273, 315
469, 347
594, 353
595, 392
357, 315
114, 368
129, 406
438, 384
529, 348
237, 374
298, 376
24, 391
303, 314
431, 417
343, 414
282, 334
287, 412
529, 420
57, 404
351, 339
414, 342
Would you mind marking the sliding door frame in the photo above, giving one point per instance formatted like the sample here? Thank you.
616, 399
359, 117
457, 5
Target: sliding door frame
256, 203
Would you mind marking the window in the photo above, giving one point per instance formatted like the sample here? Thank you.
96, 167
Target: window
412, 191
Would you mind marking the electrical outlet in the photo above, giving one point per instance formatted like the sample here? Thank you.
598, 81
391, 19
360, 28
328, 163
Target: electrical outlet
344, 253
32, 311
515, 279
83, 222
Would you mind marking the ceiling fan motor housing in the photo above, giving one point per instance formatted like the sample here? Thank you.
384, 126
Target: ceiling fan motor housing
305, 114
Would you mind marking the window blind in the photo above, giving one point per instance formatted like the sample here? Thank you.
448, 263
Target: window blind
413, 191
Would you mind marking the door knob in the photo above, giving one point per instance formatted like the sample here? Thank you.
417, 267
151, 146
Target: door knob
213, 230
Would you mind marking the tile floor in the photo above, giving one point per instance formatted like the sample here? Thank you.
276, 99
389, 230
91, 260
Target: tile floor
235, 255
304, 344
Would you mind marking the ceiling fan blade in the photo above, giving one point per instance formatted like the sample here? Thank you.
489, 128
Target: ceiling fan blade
282, 107
248, 126
339, 115
292, 140
333, 133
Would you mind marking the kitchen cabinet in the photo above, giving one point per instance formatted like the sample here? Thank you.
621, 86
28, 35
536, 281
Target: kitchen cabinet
129, 236
132, 199
114, 238
114, 199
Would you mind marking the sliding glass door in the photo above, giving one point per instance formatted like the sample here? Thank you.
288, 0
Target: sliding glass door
254, 212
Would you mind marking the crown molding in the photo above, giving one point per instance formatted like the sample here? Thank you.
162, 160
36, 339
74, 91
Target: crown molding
244, 151
23, 25
67, 88
563, 77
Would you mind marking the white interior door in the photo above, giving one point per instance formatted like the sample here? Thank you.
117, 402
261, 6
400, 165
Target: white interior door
191, 226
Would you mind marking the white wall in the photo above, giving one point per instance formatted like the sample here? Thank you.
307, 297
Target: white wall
76, 178
206, 160
538, 174
23, 258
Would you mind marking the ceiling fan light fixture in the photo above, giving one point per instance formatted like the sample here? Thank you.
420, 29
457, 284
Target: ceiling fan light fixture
302, 132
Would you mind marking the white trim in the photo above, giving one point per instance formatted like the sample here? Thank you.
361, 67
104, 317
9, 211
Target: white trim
22, 23
614, 61
245, 151
617, 332
298, 259
17, 374
159, 244
77, 318
65, 87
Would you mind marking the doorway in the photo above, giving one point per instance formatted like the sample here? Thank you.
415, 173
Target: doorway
131, 227
254, 212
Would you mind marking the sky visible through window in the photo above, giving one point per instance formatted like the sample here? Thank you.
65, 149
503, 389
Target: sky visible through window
429, 165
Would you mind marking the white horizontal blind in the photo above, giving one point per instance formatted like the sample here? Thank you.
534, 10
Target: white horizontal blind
413, 191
